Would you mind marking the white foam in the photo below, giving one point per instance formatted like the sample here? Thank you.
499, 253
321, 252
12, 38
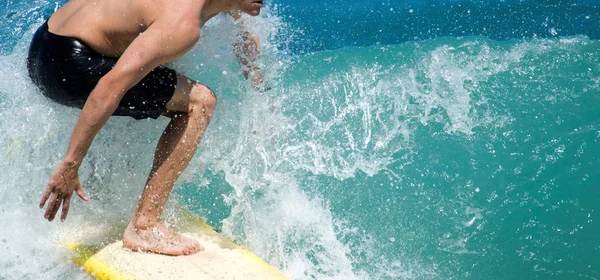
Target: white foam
238, 143
354, 119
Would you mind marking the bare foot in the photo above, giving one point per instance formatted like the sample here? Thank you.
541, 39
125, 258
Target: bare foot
159, 239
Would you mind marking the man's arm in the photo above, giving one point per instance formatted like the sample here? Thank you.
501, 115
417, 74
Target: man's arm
162, 42
246, 49
156, 46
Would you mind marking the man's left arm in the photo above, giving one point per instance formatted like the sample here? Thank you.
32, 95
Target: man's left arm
247, 51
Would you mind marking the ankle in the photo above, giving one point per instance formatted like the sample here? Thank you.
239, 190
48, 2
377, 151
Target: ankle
142, 223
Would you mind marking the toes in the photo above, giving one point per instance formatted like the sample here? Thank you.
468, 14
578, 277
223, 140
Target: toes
197, 248
192, 248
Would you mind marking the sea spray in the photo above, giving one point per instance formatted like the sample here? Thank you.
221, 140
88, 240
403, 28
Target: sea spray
449, 158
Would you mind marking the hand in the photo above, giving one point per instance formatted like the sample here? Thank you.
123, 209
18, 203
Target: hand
63, 182
257, 78
257, 82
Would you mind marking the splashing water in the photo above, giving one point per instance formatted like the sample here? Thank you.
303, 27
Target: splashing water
446, 158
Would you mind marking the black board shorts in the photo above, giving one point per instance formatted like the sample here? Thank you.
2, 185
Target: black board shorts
67, 70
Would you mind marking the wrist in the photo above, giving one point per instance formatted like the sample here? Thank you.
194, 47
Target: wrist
71, 163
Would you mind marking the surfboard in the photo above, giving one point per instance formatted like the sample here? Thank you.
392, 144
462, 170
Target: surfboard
221, 259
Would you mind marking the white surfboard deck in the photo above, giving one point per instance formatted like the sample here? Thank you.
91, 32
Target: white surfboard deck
221, 259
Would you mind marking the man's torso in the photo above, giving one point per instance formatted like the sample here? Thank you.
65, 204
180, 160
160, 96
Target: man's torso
109, 26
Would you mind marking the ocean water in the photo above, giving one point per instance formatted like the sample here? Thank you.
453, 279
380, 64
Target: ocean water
400, 140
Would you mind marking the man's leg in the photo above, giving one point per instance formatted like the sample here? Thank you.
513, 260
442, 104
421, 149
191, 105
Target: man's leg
190, 109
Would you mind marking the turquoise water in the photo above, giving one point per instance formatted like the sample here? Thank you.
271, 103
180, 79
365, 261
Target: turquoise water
388, 157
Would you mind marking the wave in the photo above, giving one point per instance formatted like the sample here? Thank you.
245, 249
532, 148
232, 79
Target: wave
332, 174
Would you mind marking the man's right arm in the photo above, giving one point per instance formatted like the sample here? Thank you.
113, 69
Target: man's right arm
162, 42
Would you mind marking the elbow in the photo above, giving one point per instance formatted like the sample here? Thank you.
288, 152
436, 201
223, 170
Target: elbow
189, 28
194, 33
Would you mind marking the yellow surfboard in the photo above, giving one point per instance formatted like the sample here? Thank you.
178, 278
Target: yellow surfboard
221, 259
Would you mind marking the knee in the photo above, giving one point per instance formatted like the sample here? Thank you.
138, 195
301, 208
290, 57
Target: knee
202, 99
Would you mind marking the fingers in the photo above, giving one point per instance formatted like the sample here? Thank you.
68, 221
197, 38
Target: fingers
55, 201
54, 205
52, 208
81, 194
65, 208
46, 196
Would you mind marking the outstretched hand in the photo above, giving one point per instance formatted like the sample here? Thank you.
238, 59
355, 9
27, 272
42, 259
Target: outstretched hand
63, 182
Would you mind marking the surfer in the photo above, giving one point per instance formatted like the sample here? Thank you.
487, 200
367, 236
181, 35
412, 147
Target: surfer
106, 57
